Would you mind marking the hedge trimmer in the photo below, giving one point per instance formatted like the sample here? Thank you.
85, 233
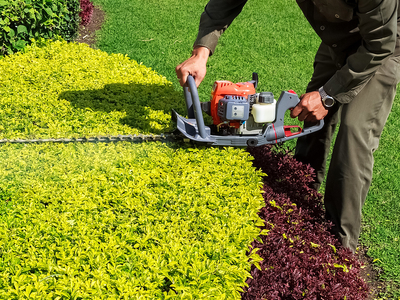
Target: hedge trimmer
240, 116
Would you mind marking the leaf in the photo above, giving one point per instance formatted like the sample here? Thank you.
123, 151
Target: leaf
343, 267
313, 245
11, 32
22, 29
20, 44
49, 11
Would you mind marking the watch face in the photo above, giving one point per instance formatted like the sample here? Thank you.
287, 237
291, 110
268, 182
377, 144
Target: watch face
328, 101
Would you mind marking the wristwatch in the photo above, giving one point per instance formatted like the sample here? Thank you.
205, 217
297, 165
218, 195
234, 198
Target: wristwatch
327, 100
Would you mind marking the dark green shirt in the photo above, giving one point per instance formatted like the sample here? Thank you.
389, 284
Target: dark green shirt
362, 32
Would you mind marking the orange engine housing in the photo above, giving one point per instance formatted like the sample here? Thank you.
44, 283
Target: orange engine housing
224, 88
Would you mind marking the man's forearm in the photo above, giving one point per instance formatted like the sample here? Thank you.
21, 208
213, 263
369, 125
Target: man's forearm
216, 18
201, 51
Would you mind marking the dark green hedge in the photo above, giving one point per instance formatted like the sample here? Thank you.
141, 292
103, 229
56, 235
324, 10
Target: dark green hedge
24, 20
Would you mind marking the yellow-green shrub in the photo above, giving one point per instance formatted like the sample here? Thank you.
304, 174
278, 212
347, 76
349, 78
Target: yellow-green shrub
119, 220
69, 90
125, 221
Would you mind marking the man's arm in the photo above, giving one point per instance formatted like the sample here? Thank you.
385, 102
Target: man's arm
378, 29
216, 18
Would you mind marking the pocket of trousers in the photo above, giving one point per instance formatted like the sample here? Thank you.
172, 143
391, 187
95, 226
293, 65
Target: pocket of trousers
390, 71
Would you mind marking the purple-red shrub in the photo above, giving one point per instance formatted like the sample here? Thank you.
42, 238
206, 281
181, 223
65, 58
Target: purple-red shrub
301, 259
285, 175
86, 11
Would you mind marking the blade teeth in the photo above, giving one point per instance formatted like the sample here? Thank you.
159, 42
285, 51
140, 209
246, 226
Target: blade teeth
96, 139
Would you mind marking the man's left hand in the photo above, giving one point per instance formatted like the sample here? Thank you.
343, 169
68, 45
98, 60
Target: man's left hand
310, 108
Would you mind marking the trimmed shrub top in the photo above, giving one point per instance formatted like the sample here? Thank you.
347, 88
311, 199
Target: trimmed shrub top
68, 90
118, 220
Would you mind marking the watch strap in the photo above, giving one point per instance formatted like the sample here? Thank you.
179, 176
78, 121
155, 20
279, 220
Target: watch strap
325, 97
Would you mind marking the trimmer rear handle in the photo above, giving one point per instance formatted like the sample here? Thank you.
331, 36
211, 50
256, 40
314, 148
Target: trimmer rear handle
276, 132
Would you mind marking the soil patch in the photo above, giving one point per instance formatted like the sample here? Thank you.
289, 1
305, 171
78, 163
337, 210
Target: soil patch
370, 273
87, 33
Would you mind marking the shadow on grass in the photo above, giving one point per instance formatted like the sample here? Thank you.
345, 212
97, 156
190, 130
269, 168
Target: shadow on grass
144, 105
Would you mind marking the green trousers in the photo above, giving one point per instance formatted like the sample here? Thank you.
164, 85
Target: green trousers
361, 124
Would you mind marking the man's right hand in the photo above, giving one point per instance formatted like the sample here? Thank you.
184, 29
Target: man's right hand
196, 66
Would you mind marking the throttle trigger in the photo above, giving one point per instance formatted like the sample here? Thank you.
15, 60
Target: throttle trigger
289, 130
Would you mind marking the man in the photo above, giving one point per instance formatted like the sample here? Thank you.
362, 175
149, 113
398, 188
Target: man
356, 71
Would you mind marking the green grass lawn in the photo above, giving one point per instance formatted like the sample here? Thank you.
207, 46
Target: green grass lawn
273, 39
